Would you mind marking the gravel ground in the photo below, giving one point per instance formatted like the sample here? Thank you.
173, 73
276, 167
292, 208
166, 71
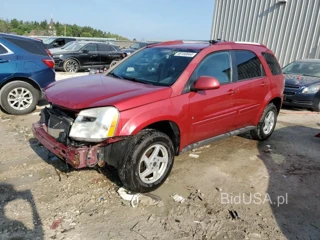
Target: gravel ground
232, 189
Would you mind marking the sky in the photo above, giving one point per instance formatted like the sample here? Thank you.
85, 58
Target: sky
140, 19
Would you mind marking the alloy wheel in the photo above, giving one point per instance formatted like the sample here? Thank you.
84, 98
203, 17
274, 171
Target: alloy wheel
20, 98
153, 163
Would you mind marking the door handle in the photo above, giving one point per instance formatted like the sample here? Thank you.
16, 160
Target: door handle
231, 92
3, 61
263, 84
94, 55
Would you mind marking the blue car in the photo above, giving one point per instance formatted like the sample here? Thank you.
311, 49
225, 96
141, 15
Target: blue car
25, 69
302, 86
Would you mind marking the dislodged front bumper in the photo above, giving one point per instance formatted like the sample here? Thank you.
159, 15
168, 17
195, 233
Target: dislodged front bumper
77, 157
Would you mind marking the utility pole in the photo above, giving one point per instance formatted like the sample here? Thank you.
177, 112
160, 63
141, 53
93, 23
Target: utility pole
65, 30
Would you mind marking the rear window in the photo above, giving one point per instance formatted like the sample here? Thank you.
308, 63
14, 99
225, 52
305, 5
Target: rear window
248, 65
34, 47
2, 50
272, 63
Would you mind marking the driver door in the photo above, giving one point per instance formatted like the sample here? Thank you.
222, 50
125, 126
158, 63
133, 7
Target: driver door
89, 55
213, 111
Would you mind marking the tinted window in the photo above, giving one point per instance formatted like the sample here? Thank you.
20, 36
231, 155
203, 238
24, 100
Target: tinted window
90, 47
35, 47
272, 63
215, 65
116, 48
2, 50
248, 65
105, 47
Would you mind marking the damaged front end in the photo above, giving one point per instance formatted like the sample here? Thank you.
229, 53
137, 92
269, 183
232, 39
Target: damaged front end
53, 132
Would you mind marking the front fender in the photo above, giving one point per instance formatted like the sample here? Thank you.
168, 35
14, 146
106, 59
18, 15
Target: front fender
134, 120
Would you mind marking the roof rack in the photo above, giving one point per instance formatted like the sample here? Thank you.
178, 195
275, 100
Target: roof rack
211, 42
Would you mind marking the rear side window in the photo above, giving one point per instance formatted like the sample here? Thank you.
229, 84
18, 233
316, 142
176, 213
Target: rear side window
30, 46
105, 47
272, 63
2, 50
248, 65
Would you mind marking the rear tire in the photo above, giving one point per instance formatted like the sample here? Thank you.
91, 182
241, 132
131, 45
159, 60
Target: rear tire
266, 124
19, 98
148, 161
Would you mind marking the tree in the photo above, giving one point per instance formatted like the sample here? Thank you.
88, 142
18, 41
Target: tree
14, 23
86, 34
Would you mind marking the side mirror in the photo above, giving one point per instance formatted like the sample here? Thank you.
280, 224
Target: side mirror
85, 51
206, 83
55, 44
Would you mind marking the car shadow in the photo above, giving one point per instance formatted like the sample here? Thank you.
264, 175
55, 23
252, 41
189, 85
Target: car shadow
60, 165
292, 158
15, 229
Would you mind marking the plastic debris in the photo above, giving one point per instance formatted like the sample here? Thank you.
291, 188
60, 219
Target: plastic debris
139, 198
178, 198
193, 155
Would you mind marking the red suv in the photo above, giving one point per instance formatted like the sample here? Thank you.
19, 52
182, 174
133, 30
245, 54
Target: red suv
163, 100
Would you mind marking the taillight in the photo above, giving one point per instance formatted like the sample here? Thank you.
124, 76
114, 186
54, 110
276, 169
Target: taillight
48, 62
49, 53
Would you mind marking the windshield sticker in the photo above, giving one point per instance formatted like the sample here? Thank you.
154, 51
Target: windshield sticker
185, 54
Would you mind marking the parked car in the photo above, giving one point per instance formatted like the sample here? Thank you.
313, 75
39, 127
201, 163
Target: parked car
302, 87
86, 54
159, 102
25, 69
136, 46
57, 42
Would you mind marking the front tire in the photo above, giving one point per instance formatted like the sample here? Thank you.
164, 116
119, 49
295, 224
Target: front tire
19, 98
148, 161
71, 65
266, 124
114, 62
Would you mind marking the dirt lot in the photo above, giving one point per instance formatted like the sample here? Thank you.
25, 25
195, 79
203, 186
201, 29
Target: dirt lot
40, 198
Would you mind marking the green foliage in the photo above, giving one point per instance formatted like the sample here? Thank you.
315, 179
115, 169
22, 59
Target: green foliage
41, 28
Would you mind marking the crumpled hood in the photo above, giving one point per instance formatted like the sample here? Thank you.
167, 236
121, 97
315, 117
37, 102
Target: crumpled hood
299, 80
99, 90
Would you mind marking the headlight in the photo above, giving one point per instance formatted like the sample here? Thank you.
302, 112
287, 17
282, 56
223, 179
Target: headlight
312, 89
95, 125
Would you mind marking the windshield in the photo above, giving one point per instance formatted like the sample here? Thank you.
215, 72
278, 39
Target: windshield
303, 68
74, 47
138, 45
48, 40
156, 66
67, 45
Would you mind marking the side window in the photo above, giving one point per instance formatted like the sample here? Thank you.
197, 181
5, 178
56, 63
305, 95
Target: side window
90, 47
59, 42
35, 47
2, 50
272, 63
248, 65
105, 47
215, 65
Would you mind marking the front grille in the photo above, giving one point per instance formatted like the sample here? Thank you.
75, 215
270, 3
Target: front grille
58, 123
289, 93
292, 86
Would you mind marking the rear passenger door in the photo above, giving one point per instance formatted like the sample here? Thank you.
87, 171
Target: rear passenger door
252, 85
105, 52
7, 62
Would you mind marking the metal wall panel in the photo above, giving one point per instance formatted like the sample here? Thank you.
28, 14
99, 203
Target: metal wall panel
290, 29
